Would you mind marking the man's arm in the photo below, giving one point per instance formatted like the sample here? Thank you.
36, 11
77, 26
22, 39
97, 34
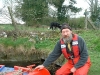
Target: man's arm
83, 53
53, 55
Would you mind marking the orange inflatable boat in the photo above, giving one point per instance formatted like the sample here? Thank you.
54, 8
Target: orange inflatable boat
18, 70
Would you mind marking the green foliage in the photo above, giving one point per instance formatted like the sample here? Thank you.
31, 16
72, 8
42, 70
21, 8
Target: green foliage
96, 42
6, 27
77, 23
16, 43
6, 41
32, 11
64, 10
44, 44
91, 37
35, 12
95, 13
47, 44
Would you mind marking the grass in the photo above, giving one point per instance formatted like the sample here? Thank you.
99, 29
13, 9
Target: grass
9, 27
16, 43
92, 38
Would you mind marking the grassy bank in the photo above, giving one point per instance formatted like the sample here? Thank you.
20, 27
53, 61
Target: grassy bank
46, 40
92, 38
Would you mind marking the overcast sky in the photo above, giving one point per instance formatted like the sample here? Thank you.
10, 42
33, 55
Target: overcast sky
1, 5
80, 3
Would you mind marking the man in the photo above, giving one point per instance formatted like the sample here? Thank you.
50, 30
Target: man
74, 49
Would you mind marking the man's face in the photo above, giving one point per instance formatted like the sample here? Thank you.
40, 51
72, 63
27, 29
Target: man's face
66, 33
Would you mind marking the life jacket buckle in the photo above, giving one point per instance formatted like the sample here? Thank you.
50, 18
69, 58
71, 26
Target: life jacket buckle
71, 57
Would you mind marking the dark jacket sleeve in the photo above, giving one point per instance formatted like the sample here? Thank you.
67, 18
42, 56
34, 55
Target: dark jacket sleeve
53, 55
83, 53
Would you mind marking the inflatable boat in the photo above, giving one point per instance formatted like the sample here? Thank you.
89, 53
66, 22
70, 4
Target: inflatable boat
18, 70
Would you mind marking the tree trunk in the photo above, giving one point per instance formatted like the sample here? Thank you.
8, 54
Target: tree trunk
13, 23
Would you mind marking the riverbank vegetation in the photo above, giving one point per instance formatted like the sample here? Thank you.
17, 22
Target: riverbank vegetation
43, 40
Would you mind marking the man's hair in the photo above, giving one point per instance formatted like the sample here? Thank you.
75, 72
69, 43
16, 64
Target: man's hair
64, 26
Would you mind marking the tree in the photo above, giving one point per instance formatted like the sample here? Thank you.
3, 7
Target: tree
35, 11
94, 9
64, 10
32, 11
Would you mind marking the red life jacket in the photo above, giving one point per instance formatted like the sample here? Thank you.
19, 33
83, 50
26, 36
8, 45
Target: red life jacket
75, 48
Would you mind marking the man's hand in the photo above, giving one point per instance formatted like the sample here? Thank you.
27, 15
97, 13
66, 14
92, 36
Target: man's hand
40, 67
73, 70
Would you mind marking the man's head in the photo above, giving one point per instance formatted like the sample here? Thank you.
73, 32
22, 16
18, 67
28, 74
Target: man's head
66, 32
65, 26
